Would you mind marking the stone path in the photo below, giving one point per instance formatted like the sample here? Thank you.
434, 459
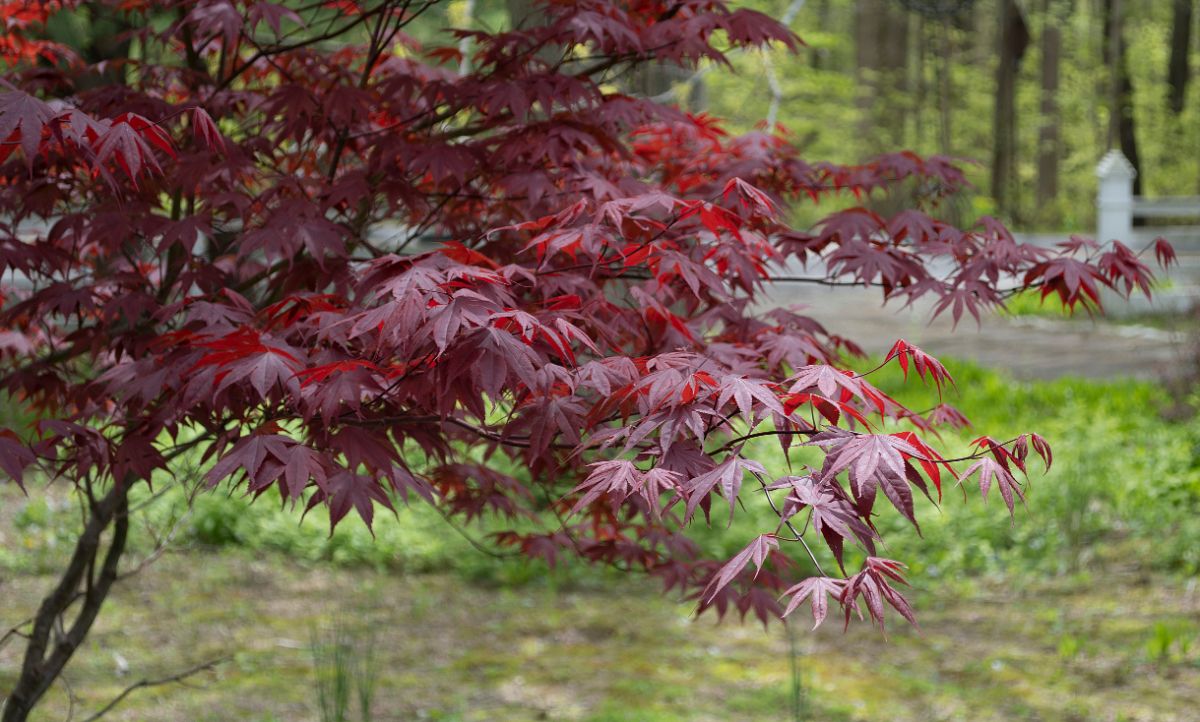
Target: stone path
1029, 347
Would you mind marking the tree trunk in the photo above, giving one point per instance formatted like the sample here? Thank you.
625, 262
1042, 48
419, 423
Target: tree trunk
881, 60
945, 90
1014, 39
1122, 127
1178, 71
52, 643
817, 57
920, 87
1048, 140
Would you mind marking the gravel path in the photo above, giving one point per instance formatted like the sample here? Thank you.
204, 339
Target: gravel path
1031, 348
1028, 347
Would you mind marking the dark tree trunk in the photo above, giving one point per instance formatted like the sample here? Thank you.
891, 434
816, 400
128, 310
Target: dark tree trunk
1048, 139
104, 43
921, 89
1014, 40
1178, 71
1122, 127
87, 580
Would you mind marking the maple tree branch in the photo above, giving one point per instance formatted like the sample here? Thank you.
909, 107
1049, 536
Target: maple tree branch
971, 457
787, 522
237, 70
475, 543
160, 547
72, 700
758, 434
178, 677
380, 38
45, 657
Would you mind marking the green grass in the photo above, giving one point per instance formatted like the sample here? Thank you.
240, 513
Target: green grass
1125, 487
451, 650
1075, 609
1031, 303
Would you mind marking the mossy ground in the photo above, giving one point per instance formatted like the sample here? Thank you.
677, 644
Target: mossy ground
1118, 646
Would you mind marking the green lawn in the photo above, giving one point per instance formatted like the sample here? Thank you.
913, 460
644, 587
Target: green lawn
1085, 647
1082, 608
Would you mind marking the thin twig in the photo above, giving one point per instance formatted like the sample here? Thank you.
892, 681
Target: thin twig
14, 632
71, 698
788, 523
159, 548
174, 678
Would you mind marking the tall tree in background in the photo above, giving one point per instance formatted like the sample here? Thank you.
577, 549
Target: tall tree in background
1048, 149
1178, 66
1122, 130
1013, 41
881, 42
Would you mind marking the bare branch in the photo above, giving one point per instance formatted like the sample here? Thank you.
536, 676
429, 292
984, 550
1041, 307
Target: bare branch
141, 684
14, 632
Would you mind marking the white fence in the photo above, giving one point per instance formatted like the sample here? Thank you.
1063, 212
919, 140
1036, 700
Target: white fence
1117, 206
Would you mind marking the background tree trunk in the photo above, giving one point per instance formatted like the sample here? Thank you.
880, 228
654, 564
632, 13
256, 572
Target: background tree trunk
1048, 137
881, 70
1014, 40
1122, 130
1178, 70
945, 90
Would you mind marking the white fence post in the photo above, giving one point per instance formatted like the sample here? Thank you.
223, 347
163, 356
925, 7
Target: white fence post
1114, 200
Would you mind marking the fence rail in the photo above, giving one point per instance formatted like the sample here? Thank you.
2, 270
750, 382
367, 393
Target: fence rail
1117, 206
1167, 207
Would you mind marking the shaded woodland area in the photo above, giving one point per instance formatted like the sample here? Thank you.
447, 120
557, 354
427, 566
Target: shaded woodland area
1034, 91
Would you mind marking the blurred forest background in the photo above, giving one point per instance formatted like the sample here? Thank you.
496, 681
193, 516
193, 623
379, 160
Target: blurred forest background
1102, 625
1035, 92
1032, 92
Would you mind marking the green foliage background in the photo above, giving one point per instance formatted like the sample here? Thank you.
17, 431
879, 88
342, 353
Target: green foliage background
1108, 500
826, 108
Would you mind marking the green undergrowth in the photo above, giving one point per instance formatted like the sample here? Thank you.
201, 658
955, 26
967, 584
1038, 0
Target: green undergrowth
1031, 303
1076, 608
1124, 489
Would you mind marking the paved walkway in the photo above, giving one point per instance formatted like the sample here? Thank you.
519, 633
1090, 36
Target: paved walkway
1029, 347
1033, 348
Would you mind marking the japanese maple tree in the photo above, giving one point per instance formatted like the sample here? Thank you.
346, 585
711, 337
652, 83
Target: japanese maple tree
349, 268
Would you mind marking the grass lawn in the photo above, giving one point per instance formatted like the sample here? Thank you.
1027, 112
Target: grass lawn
1084, 607
1113, 647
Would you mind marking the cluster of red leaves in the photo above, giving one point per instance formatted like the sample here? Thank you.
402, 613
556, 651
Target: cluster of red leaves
23, 23
253, 283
